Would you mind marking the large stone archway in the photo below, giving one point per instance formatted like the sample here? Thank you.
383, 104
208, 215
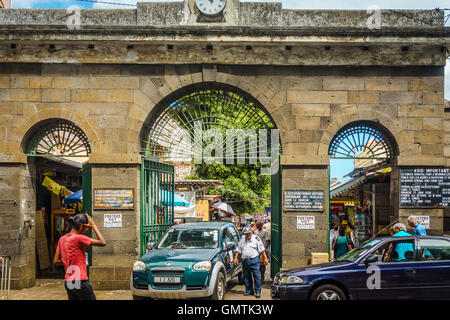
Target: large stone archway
313, 71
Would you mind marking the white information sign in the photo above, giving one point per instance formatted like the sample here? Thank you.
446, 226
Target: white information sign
424, 221
306, 222
112, 220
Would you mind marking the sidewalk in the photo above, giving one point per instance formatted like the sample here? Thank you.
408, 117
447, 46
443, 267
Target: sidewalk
53, 289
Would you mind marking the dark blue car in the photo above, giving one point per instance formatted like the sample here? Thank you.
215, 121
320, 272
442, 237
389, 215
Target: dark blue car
381, 268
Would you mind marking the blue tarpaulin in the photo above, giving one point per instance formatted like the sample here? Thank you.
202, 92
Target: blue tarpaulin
166, 198
74, 197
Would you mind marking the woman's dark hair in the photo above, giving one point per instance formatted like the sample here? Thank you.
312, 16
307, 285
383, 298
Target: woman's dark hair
342, 232
77, 220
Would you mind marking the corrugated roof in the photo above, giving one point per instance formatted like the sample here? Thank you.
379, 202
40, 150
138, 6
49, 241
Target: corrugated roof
347, 186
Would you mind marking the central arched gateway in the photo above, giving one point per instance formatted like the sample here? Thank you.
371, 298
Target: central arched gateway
204, 123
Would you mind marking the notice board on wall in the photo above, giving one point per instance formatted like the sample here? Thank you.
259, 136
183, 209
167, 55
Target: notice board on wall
303, 200
424, 187
306, 222
113, 199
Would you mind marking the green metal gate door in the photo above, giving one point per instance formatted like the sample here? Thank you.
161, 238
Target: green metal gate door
157, 199
87, 202
275, 218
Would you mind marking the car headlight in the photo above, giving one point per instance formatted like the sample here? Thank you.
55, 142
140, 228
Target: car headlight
138, 266
276, 280
202, 266
290, 280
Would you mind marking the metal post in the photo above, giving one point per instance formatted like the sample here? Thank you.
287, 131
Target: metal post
374, 218
5, 279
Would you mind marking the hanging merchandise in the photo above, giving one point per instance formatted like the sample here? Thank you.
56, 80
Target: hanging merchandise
351, 214
52, 185
362, 226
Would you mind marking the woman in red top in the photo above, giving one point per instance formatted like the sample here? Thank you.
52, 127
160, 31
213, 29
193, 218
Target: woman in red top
71, 252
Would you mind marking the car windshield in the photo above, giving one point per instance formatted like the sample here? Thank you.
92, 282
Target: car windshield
190, 239
359, 251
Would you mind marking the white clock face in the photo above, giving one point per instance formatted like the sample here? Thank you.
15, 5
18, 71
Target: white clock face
210, 7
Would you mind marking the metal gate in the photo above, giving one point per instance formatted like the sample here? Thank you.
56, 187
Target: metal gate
87, 205
5, 277
157, 199
275, 218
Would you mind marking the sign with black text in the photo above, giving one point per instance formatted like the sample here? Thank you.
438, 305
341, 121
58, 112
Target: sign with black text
303, 200
113, 199
306, 222
112, 220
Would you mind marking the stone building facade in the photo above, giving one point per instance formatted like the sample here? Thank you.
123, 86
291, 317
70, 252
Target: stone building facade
313, 71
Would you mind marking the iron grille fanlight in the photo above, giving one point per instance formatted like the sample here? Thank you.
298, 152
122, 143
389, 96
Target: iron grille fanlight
218, 108
59, 138
362, 140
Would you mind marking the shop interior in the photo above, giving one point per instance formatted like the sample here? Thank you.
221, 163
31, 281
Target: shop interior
58, 189
363, 202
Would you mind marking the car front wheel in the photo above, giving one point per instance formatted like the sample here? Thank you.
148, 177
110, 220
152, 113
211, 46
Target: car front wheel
328, 292
219, 289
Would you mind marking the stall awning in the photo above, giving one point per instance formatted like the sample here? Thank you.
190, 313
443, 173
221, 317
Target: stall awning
337, 191
178, 201
74, 197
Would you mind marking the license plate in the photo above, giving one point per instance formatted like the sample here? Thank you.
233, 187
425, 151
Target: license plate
166, 279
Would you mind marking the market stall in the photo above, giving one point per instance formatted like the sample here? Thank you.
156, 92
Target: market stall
363, 201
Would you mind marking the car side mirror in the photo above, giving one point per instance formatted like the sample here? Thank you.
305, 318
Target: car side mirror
371, 259
151, 245
231, 245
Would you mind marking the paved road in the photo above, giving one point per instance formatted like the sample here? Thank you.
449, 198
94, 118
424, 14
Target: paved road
53, 289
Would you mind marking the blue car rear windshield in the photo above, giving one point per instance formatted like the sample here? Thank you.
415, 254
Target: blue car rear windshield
190, 239
359, 251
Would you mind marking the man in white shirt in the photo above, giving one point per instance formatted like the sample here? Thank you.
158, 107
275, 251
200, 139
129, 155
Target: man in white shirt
333, 235
249, 248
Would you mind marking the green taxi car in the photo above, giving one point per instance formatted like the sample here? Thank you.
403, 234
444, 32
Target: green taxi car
191, 260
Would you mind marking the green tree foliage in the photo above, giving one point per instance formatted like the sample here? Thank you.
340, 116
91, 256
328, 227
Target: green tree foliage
244, 186
221, 109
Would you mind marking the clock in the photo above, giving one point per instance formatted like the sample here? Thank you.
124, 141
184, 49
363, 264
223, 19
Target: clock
210, 7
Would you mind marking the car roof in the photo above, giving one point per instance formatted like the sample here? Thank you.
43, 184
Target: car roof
411, 237
205, 224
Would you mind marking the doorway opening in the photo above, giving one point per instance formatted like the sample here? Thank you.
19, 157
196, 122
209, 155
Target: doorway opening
57, 151
224, 149
362, 161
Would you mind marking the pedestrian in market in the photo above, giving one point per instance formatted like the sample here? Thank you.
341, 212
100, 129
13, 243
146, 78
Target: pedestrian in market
333, 235
250, 247
267, 225
342, 244
419, 230
71, 252
349, 233
265, 238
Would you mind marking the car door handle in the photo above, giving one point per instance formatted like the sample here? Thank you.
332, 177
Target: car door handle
412, 271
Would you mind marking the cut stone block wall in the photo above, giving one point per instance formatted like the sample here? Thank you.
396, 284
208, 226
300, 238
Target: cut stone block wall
112, 264
111, 104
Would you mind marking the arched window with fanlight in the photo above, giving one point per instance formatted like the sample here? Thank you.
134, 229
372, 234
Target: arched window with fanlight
58, 138
363, 140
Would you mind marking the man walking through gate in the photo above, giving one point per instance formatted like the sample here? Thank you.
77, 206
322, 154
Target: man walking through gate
263, 234
250, 247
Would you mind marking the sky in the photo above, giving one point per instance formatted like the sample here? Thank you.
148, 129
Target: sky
338, 168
